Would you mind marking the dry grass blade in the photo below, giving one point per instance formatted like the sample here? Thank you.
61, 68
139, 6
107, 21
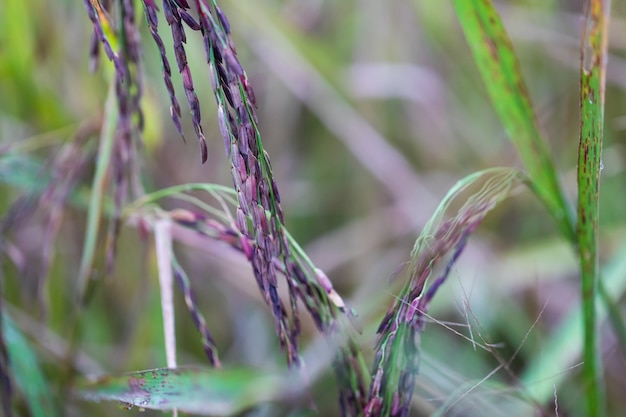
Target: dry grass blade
441, 242
163, 245
314, 289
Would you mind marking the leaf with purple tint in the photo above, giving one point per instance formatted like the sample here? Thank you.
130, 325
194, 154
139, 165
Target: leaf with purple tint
435, 252
189, 389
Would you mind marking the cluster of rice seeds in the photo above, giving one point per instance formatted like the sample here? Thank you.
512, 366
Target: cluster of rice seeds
208, 343
251, 173
396, 361
121, 43
215, 230
103, 32
129, 92
176, 14
352, 374
307, 289
349, 366
260, 235
150, 10
259, 217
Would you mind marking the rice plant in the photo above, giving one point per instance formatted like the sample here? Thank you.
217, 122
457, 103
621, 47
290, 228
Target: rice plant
296, 281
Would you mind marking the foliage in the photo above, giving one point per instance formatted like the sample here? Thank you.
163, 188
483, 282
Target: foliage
92, 166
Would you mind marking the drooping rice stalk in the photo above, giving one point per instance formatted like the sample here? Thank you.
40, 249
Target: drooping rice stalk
121, 42
442, 241
314, 288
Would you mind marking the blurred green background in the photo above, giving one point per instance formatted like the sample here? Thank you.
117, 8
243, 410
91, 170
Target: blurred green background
370, 112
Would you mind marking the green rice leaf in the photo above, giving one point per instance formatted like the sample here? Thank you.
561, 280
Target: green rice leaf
501, 73
197, 390
26, 372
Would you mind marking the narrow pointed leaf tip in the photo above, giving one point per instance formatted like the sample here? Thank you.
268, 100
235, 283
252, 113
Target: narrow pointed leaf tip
501, 72
397, 350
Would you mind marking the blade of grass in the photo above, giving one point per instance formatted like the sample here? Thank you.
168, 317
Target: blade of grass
98, 190
501, 72
163, 244
593, 59
563, 346
29, 378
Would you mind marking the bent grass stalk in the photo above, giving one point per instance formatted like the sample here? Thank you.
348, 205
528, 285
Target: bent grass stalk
396, 363
501, 72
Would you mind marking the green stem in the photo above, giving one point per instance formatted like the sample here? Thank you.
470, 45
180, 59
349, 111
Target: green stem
94, 213
592, 93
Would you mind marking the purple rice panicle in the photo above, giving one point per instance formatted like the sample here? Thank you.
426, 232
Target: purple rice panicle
151, 10
315, 291
44, 203
258, 231
210, 349
176, 14
251, 173
124, 35
396, 362
129, 91
102, 27
259, 217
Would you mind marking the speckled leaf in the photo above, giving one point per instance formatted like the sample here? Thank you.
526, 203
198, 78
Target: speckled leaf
189, 389
593, 58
